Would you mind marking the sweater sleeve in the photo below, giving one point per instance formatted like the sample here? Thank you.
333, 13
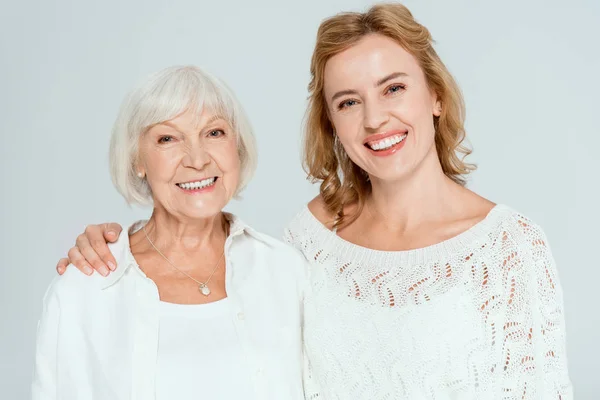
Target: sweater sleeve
292, 236
311, 388
534, 364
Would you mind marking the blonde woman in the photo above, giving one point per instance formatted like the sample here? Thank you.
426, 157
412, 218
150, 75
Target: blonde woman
419, 288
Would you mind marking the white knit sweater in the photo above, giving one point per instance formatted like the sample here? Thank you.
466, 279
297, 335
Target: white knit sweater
478, 316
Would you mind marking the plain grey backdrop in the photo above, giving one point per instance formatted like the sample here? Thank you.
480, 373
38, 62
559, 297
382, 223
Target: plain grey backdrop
529, 71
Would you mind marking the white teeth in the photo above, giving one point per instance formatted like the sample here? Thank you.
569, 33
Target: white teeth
197, 184
387, 142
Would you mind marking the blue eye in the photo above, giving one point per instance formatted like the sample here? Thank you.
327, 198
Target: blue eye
396, 88
346, 104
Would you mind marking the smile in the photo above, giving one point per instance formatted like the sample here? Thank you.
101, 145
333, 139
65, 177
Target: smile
386, 143
196, 185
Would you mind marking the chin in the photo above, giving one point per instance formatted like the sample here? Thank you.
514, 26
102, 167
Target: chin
201, 214
390, 176
202, 209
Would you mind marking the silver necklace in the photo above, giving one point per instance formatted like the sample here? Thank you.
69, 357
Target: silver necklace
202, 286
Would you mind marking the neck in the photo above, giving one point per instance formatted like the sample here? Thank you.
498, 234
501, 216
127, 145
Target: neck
187, 235
404, 204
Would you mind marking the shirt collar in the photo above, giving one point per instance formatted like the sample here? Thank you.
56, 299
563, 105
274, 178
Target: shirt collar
122, 253
125, 260
238, 227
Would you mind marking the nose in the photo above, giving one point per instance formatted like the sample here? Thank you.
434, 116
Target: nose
375, 116
196, 157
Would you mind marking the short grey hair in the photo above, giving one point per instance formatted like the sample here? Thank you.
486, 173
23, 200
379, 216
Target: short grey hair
162, 97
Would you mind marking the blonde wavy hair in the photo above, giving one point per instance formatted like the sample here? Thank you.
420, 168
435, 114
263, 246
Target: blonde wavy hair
343, 182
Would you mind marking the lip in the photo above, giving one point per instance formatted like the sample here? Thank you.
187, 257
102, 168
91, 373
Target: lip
378, 136
199, 190
387, 152
197, 180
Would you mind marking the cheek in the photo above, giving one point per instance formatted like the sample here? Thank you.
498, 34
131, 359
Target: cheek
416, 112
161, 165
347, 126
229, 164
232, 177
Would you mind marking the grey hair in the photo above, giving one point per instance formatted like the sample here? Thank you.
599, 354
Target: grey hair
161, 97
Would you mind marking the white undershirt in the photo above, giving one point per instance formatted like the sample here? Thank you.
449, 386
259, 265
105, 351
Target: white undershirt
199, 354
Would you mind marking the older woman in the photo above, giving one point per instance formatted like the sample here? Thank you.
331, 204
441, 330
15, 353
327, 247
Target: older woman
200, 305
419, 288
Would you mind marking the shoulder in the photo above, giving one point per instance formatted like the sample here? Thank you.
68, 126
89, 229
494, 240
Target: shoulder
509, 235
280, 259
527, 261
315, 212
319, 210
276, 248
522, 246
522, 229
310, 220
74, 284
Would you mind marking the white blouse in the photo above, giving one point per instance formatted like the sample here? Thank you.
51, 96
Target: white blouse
200, 354
478, 317
99, 337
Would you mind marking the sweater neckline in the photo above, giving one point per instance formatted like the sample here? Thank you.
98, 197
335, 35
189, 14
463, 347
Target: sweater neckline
468, 239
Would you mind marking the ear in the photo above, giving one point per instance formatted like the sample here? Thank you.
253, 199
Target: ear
139, 170
437, 108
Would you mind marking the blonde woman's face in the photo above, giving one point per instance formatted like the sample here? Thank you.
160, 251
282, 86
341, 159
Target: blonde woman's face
191, 163
381, 107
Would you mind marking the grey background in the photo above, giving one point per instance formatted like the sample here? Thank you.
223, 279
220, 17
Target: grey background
529, 71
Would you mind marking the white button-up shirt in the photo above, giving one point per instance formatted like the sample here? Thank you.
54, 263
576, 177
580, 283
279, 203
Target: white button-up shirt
98, 337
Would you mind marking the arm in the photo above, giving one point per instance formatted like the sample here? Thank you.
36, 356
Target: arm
311, 388
535, 360
91, 250
44, 385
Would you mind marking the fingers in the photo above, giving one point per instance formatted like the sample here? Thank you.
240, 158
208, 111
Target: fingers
91, 251
112, 231
79, 261
85, 243
62, 265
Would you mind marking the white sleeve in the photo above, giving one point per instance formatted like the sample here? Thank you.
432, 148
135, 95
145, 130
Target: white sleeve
44, 385
311, 388
534, 357
289, 237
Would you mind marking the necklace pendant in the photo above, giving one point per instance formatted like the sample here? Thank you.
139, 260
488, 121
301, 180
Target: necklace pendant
204, 289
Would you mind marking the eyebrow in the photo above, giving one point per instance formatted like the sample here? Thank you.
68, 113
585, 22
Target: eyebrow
380, 82
210, 121
215, 118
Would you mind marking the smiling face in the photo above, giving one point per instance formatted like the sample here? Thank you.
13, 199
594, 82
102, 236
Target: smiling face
191, 164
381, 108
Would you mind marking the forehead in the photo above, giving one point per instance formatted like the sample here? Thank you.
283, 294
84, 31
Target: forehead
199, 118
373, 57
194, 119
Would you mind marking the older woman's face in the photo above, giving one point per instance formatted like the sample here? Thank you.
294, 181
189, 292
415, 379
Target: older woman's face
191, 163
381, 107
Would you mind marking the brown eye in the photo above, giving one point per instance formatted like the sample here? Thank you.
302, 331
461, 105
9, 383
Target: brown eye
216, 133
165, 139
